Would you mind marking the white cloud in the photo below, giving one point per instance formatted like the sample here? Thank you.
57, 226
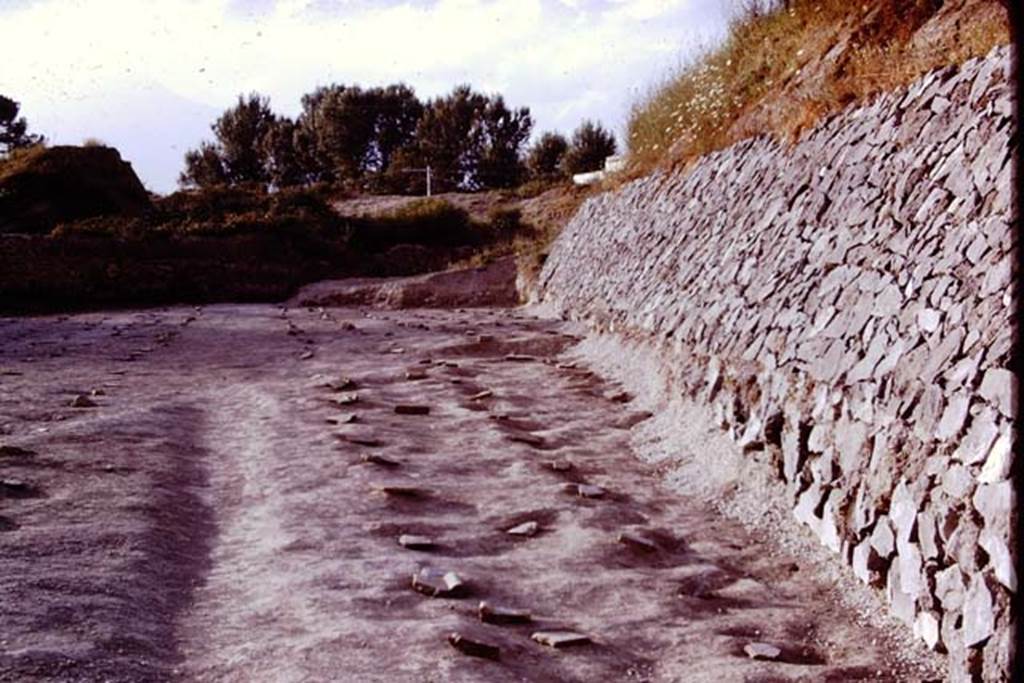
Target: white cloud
566, 59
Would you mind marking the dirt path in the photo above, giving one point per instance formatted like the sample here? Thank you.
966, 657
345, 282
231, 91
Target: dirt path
212, 516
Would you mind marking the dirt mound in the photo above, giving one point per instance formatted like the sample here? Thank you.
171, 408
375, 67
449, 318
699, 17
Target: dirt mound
42, 187
492, 285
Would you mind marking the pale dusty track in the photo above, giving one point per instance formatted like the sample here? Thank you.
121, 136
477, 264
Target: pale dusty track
206, 522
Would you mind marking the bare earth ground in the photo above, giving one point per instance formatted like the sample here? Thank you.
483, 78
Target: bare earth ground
210, 519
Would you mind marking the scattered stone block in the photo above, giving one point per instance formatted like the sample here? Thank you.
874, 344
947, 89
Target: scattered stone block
306, 355
560, 639
414, 542
559, 465
529, 528
764, 651
403, 491
437, 583
368, 441
347, 399
486, 393
492, 614
528, 439
520, 358
412, 410
474, 647
584, 490
380, 460
16, 452
415, 374
635, 541
14, 488
82, 401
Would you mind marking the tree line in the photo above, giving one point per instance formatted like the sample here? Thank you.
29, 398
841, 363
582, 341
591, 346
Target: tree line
381, 139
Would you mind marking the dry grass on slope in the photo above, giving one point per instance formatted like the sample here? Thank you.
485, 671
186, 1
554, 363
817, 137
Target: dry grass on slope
785, 65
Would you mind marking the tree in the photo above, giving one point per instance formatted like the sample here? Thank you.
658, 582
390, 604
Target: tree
13, 130
470, 141
502, 137
448, 138
545, 156
239, 154
240, 133
335, 122
203, 167
282, 148
396, 111
590, 145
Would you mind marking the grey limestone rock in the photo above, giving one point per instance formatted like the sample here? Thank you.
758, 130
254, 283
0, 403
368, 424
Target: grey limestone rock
999, 461
883, 540
980, 436
953, 417
979, 618
999, 387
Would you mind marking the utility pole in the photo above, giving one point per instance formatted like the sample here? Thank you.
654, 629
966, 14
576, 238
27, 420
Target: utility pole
422, 170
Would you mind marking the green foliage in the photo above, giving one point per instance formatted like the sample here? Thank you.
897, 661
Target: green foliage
470, 141
13, 130
503, 133
239, 154
544, 158
506, 223
447, 138
346, 133
282, 147
204, 167
590, 145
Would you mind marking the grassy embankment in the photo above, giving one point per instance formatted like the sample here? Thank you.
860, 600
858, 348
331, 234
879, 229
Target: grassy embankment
783, 66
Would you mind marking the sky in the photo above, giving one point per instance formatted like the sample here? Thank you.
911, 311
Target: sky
150, 76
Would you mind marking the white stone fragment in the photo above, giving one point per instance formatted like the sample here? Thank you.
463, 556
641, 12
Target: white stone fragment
928, 319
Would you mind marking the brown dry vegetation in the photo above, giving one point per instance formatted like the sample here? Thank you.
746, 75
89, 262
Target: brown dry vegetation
783, 67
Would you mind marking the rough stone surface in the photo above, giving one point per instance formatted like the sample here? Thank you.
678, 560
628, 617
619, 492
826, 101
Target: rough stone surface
999, 387
863, 303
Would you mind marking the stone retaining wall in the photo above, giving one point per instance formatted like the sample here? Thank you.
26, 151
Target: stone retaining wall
847, 304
